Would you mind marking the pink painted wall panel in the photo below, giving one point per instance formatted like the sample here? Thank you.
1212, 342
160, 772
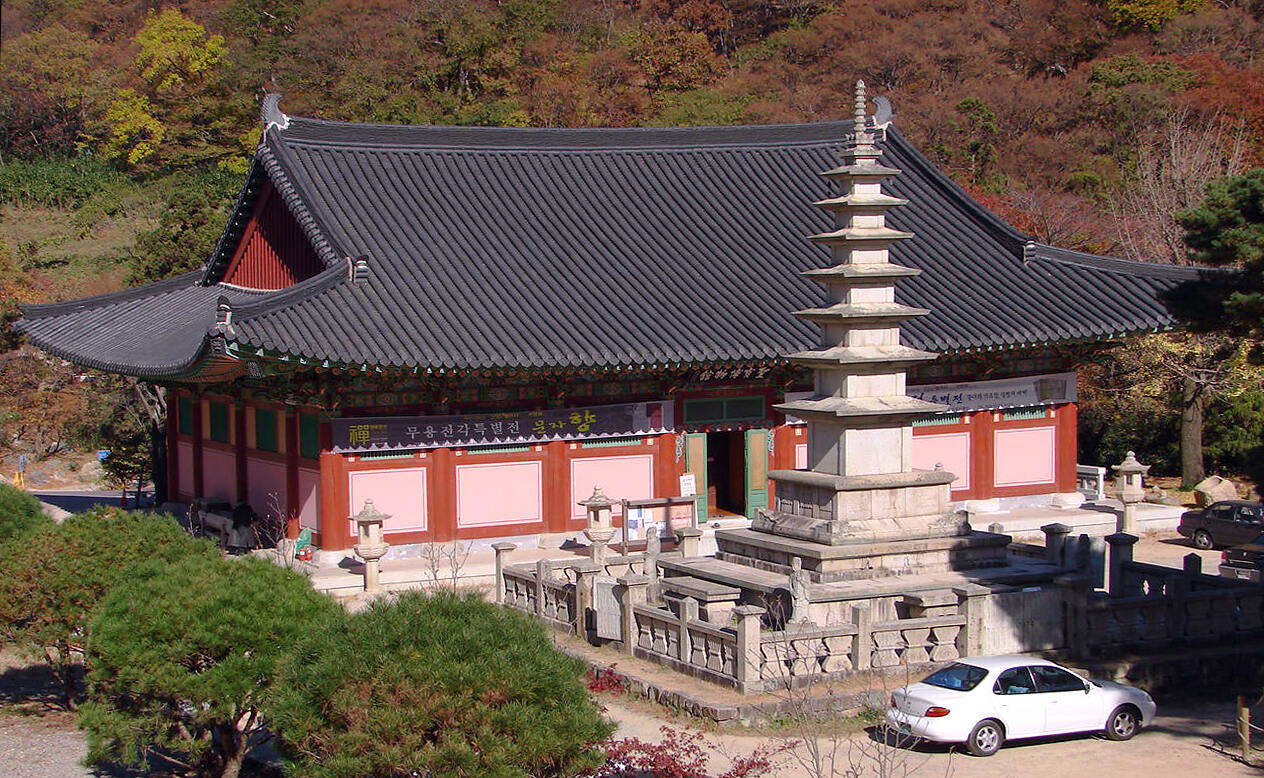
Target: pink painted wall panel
265, 482
400, 493
800, 456
219, 475
504, 493
1025, 457
621, 478
309, 498
952, 450
184, 465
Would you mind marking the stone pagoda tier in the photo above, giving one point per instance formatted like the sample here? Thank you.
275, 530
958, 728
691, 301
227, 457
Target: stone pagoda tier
860, 486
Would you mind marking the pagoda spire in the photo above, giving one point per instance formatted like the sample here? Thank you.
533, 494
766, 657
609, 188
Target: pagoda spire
859, 417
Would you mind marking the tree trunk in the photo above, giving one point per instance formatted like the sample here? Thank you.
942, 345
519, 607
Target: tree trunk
1192, 399
232, 748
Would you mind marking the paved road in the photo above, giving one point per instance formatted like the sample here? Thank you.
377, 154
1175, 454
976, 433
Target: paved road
1178, 744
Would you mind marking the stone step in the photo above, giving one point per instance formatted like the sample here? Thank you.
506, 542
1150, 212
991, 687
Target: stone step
729, 573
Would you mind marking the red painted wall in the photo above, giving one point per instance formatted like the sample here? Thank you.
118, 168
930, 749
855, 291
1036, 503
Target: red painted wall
273, 252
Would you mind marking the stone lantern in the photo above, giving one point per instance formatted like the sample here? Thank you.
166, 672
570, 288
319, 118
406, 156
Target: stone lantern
600, 525
1130, 490
372, 545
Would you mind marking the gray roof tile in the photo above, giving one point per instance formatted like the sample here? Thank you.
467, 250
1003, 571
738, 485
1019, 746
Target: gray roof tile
492, 247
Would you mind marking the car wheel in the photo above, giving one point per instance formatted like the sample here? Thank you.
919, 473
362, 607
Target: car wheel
1123, 723
1202, 539
986, 738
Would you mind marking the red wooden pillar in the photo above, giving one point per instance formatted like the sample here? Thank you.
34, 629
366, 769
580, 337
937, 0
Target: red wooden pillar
982, 455
1068, 445
239, 449
197, 446
666, 469
556, 486
441, 485
173, 446
292, 507
334, 530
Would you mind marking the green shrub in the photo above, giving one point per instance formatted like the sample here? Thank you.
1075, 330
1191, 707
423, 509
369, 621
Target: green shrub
67, 182
442, 685
54, 577
20, 512
183, 654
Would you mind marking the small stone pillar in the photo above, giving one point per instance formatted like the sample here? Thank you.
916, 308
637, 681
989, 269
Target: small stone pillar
970, 604
749, 619
1130, 489
1193, 565
1119, 552
600, 524
585, 572
372, 545
501, 549
688, 541
1055, 542
688, 613
1075, 595
631, 591
862, 641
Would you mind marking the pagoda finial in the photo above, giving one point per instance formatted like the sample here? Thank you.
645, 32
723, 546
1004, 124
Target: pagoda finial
861, 105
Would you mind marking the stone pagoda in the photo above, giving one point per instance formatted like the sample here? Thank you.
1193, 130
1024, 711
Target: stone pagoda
861, 510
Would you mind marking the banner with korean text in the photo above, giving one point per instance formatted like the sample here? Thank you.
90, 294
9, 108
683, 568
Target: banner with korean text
385, 433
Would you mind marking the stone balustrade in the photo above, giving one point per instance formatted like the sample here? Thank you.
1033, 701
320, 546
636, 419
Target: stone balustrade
1149, 607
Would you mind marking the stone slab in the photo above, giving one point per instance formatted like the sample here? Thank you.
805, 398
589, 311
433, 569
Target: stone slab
700, 589
807, 550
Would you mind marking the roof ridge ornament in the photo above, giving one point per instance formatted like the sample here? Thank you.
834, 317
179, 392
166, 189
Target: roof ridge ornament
272, 116
223, 316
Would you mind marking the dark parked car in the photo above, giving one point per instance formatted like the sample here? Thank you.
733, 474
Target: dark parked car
1224, 523
1245, 562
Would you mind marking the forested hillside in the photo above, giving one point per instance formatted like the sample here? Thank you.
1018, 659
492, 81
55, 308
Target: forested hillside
125, 125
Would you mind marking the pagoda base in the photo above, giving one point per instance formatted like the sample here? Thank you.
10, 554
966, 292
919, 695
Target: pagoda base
826, 563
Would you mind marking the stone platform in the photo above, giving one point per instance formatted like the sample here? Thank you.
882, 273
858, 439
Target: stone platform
824, 563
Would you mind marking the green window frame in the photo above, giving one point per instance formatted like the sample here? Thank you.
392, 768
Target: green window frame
219, 422
184, 415
308, 436
265, 429
713, 410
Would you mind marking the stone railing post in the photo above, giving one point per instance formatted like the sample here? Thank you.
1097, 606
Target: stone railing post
1055, 543
1119, 554
585, 573
970, 605
502, 550
688, 541
747, 660
688, 613
862, 641
543, 571
653, 549
1075, 590
1193, 566
631, 591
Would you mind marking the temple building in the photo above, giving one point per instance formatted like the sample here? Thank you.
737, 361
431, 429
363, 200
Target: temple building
473, 327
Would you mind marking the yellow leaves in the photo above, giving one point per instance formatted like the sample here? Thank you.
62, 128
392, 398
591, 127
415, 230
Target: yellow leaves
1151, 13
176, 51
132, 131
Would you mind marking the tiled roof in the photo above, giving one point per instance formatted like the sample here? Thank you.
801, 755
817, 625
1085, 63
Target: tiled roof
542, 248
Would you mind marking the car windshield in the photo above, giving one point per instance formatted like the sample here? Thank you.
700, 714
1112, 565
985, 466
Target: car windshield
956, 676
